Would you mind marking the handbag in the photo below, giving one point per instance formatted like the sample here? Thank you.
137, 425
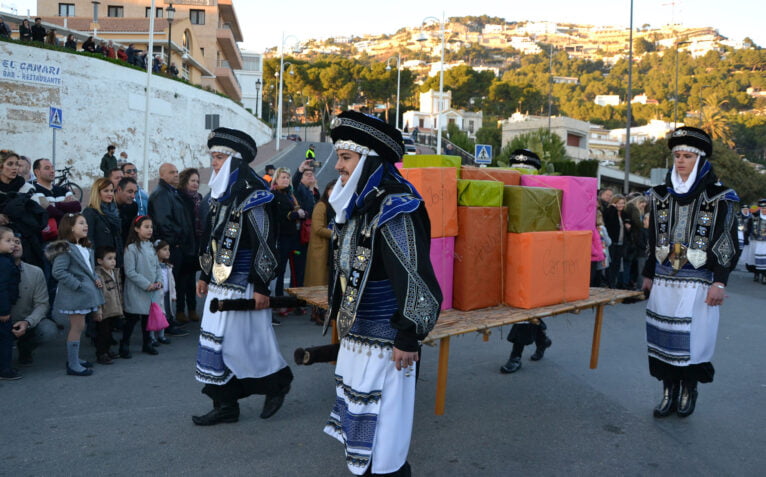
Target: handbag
157, 320
51, 231
305, 231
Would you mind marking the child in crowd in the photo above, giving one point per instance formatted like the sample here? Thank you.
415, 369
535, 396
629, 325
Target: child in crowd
143, 283
598, 273
79, 291
106, 258
10, 276
168, 287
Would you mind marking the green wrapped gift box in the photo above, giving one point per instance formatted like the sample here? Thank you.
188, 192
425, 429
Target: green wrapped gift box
532, 209
475, 193
432, 160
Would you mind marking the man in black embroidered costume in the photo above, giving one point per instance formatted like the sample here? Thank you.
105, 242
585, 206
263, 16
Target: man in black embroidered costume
693, 237
238, 353
383, 293
757, 249
523, 334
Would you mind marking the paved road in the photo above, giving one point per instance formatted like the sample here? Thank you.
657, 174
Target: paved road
553, 417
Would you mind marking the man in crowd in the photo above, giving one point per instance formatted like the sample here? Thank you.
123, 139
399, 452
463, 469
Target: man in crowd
124, 197
142, 198
38, 30
115, 176
5, 30
171, 221
123, 157
24, 168
56, 199
310, 154
28, 314
269, 172
108, 161
604, 198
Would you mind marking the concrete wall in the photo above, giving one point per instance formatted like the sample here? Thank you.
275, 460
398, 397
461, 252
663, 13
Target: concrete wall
103, 104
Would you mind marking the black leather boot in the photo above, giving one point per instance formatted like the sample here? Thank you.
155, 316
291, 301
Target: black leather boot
224, 412
687, 399
273, 402
514, 361
669, 401
541, 347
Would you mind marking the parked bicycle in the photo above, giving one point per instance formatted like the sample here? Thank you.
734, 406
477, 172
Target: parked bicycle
62, 180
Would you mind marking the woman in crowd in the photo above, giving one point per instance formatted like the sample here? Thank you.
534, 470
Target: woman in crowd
50, 38
318, 259
635, 210
25, 31
71, 43
289, 214
89, 45
188, 186
104, 224
618, 226
18, 210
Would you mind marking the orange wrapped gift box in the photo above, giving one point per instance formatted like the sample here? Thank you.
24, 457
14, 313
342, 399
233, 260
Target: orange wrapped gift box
438, 187
546, 268
478, 269
504, 175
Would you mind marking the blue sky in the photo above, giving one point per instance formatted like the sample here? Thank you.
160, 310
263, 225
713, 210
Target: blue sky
263, 22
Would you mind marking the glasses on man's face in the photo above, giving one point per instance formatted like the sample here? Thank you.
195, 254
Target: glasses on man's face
131, 171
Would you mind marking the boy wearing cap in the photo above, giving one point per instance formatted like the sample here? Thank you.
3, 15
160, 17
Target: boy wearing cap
694, 246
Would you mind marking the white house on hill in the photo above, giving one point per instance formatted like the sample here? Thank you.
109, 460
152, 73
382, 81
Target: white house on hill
430, 105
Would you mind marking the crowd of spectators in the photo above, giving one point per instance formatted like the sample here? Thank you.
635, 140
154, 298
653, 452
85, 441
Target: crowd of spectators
113, 216
131, 55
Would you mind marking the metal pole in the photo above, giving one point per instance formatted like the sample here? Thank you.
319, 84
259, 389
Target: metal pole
279, 102
441, 96
626, 186
170, 33
53, 152
398, 84
149, 60
550, 87
675, 97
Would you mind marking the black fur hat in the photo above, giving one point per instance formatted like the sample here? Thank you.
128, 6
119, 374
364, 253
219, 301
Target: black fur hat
525, 157
691, 137
232, 140
356, 131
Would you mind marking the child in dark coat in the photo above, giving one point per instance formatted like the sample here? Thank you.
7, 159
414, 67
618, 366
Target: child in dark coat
10, 276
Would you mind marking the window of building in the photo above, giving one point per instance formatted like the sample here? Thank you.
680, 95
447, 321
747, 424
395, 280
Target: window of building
66, 9
114, 11
470, 125
573, 140
451, 121
421, 123
157, 12
211, 121
197, 17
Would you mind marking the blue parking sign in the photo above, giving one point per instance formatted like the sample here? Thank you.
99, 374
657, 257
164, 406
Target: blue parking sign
483, 154
55, 119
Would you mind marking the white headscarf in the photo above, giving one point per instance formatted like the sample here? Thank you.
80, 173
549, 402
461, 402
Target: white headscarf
219, 182
679, 185
342, 193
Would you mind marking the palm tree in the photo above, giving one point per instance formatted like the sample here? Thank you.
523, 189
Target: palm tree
714, 120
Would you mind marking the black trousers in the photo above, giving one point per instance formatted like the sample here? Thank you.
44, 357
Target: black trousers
104, 335
237, 388
701, 372
127, 329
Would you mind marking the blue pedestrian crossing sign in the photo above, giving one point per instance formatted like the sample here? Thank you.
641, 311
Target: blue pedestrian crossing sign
482, 154
55, 118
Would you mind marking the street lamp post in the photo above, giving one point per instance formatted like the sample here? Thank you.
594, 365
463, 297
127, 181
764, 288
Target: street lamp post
675, 98
441, 83
95, 17
398, 81
550, 88
281, 74
171, 13
626, 185
257, 95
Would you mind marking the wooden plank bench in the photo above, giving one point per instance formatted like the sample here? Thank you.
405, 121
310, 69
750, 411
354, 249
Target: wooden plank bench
454, 323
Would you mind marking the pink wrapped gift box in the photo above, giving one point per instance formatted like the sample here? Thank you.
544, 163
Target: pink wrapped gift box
578, 208
442, 259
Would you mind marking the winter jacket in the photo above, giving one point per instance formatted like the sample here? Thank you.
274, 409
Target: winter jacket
77, 281
142, 268
112, 292
103, 233
170, 218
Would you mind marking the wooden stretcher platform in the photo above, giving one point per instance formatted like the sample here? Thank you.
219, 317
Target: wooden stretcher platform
454, 323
